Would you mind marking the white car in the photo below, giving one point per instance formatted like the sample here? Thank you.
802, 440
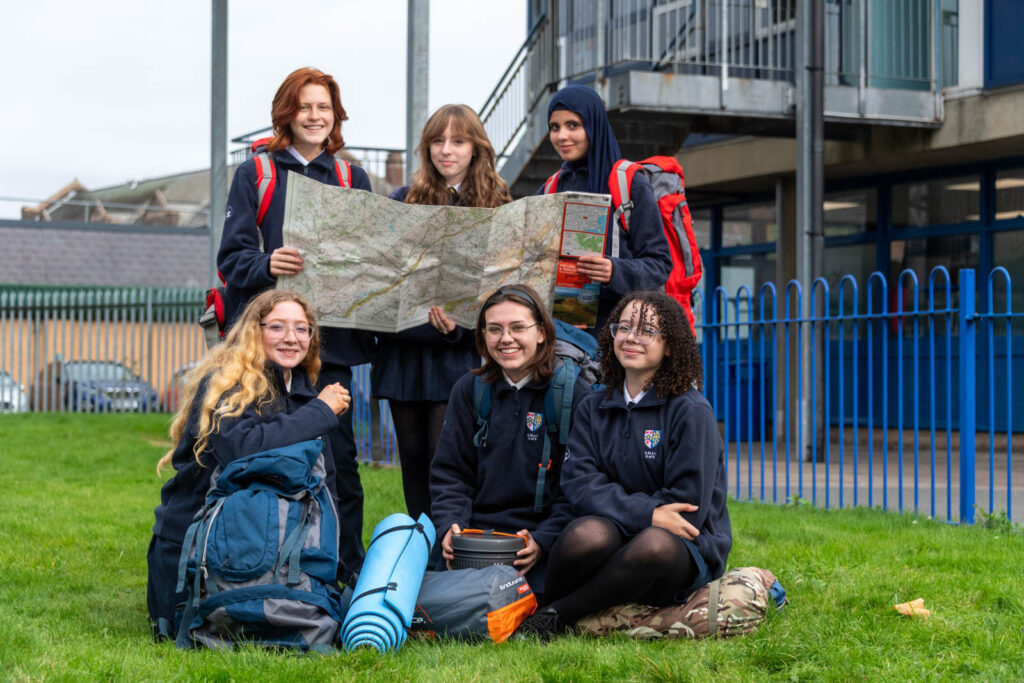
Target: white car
13, 398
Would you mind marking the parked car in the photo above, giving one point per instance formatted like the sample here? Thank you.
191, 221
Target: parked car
13, 398
175, 386
92, 386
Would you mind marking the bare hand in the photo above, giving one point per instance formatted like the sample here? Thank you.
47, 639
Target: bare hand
668, 517
446, 545
528, 556
336, 397
597, 268
285, 261
440, 320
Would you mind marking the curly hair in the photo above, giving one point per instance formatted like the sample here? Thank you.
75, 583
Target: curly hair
235, 373
285, 108
542, 365
680, 369
482, 187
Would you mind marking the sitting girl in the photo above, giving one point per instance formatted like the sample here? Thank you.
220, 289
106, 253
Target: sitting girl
489, 480
252, 393
644, 469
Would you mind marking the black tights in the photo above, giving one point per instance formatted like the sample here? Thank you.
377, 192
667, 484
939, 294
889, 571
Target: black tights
417, 428
593, 566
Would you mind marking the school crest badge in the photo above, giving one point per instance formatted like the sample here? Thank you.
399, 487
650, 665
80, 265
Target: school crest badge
534, 421
652, 437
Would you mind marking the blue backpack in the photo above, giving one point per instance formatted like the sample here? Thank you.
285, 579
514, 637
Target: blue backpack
260, 559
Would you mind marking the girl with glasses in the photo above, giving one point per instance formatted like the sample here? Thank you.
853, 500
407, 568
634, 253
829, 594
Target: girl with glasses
644, 473
416, 369
252, 393
488, 479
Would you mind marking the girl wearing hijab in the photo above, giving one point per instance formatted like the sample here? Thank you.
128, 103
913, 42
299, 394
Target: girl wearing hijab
579, 131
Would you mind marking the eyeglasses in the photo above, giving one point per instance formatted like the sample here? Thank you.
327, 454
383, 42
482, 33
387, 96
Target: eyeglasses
644, 335
493, 332
280, 330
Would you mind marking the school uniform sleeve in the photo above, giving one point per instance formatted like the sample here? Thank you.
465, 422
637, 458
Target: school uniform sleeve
239, 258
586, 482
453, 470
561, 513
650, 260
252, 433
694, 473
360, 180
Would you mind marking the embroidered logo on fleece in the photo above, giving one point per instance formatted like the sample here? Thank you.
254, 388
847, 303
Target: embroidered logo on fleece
534, 421
652, 437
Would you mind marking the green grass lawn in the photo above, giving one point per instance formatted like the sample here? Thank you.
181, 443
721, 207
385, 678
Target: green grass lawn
75, 520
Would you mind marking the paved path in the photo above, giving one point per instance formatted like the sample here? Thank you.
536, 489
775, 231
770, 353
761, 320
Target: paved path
874, 478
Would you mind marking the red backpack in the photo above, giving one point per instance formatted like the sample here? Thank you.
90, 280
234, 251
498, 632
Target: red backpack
213, 319
666, 178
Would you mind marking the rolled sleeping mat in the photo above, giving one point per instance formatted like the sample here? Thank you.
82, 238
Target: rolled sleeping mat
385, 594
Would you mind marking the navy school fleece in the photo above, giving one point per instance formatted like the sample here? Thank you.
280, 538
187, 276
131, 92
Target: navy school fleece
622, 462
644, 260
291, 418
247, 269
493, 487
421, 364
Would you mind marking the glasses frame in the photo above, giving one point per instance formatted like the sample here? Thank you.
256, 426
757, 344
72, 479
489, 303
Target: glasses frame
287, 329
495, 337
643, 340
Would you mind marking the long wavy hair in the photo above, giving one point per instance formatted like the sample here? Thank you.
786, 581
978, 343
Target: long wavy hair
680, 369
542, 365
286, 106
235, 373
482, 187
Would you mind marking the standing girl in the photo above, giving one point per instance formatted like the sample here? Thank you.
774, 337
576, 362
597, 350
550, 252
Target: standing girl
416, 369
581, 135
644, 471
252, 393
307, 115
486, 476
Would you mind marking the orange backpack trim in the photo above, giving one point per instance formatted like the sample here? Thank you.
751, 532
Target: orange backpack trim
502, 622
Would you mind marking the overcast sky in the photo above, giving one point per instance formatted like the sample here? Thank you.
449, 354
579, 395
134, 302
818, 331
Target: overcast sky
113, 90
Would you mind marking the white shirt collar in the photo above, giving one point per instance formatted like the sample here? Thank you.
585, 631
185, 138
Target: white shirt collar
631, 399
518, 385
299, 157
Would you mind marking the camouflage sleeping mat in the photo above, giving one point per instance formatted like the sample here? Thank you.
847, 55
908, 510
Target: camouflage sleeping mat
739, 602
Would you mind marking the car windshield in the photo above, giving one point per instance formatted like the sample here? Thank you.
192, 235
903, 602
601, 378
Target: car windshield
85, 372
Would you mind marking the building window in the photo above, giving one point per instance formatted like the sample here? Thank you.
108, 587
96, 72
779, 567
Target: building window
701, 221
850, 213
1010, 195
748, 224
858, 260
935, 202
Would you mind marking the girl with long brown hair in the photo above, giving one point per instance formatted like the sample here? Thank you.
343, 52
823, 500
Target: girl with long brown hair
416, 369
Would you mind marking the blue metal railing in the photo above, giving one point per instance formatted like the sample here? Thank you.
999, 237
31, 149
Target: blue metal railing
885, 378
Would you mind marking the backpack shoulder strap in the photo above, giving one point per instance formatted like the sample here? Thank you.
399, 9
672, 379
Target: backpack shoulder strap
265, 181
620, 179
481, 410
551, 184
344, 171
557, 409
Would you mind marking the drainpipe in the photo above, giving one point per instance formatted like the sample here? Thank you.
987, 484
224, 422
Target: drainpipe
810, 172
218, 130
417, 73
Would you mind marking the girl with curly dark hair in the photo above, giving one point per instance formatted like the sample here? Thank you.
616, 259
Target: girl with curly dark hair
644, 471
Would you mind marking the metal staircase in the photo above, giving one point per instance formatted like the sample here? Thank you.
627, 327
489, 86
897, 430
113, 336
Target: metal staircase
668, 68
